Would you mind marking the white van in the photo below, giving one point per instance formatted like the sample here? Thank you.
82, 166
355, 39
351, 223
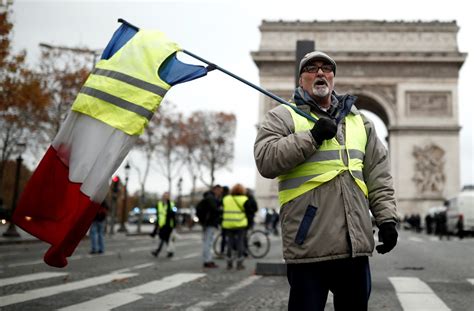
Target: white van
461, 209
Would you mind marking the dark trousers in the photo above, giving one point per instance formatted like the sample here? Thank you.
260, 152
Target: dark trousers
348, 279
235, 244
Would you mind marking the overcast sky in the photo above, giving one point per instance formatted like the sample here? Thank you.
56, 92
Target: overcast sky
225, 32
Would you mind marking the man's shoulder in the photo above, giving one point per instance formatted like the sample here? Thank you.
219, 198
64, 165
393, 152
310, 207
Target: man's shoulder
280, 109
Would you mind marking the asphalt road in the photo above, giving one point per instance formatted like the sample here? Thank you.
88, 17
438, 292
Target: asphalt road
422, 273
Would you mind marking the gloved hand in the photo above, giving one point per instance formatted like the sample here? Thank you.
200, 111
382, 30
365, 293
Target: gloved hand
324, 129
388, 236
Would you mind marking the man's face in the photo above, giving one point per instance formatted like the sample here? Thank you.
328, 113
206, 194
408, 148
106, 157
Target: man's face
317, 78
166, 196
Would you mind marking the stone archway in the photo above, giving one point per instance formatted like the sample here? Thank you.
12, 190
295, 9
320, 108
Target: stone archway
404, 72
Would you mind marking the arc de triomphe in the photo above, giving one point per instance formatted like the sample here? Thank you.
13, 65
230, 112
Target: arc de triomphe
404, 72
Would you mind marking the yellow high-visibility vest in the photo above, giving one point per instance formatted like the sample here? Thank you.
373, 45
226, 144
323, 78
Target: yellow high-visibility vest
125, 90
162, 210
327, 162
234, 212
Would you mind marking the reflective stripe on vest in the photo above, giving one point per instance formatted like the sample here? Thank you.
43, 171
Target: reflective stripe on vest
234, 212
162, 210
327, 162
125, 90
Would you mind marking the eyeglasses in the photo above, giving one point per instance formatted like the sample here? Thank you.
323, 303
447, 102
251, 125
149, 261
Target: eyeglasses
327, 68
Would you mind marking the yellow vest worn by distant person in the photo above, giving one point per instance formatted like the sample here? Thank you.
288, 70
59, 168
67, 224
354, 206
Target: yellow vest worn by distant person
234, 212
327, 162
125, 90
162, 210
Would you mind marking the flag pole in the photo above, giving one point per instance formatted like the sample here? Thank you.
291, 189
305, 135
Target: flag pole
269, 94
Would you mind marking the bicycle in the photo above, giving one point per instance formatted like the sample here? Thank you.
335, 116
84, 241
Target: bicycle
258, 244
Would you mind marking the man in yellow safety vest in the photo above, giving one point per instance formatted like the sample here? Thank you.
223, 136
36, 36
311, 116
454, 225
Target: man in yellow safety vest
332, 173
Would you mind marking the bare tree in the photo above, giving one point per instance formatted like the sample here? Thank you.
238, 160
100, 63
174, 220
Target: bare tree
191, 142
22, 99
217, 130
169, 154
147, 143
63, 71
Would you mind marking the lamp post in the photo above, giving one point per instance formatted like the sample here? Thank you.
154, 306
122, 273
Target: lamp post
11, 231
124, 204
180, 187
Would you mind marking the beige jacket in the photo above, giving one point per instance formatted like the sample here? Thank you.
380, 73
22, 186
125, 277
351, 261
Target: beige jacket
342, 225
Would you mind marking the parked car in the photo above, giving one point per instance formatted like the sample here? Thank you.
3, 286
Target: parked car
148, 215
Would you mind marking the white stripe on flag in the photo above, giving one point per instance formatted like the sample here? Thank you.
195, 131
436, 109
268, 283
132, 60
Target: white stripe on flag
92, 150
129, 295
30, 277
57, 289
416, 295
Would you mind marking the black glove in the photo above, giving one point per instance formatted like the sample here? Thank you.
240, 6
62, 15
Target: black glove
388, 236
324, 129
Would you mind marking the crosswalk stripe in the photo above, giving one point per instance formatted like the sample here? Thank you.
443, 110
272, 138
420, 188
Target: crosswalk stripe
229, 291
27, 263
57, 289
192, 255
129, 295
415, 239
30, 277
415, 294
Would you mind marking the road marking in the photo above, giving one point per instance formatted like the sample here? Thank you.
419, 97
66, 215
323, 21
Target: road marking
27, 263
192, 255
415, 239
11, 254
30, 277
148, 248
145, 265
126, 296
57, 289
471, 281
88, 256
229, 291
141, 249
415, 294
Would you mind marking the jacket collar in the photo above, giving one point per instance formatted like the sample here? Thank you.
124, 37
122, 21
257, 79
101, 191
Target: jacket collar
341, 105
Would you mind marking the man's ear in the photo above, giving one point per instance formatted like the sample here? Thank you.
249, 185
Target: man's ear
299, 81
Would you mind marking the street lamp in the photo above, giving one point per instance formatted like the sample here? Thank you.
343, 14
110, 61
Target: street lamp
11, 231
180, 187
124, 205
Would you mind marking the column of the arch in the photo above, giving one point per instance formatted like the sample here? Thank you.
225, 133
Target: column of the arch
424, 144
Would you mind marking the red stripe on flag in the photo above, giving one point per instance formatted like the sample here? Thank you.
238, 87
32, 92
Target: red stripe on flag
54, 209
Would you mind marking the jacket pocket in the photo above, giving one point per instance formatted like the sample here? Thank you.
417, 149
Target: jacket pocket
303, 229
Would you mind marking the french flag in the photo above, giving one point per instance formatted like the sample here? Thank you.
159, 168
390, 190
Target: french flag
64, 193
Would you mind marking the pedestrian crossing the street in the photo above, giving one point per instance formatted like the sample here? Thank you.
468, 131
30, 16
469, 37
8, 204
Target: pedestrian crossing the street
413, 294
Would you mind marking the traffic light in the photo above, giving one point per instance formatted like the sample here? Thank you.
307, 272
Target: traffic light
115, 184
